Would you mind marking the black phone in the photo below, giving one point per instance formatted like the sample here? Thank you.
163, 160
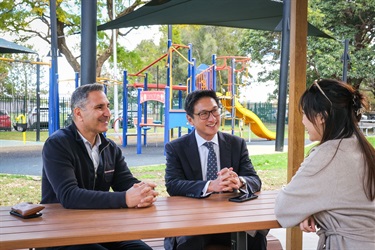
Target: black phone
243, 197
25, 217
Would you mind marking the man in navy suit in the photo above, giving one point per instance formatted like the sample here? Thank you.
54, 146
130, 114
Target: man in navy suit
186, 171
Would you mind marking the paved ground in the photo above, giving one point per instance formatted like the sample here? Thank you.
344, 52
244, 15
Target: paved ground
18, 157
25, 158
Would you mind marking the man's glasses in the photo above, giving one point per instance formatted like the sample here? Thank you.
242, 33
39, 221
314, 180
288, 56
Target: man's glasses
204, 115
321, 91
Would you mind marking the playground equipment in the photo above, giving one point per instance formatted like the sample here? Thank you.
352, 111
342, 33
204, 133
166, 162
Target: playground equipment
173, 118
163, 94
21, 126
249, 118
206, 79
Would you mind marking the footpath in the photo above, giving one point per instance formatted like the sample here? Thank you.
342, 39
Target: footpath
16, 153
153, 154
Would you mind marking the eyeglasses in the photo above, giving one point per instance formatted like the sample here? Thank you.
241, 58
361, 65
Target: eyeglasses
204, 115
321, 91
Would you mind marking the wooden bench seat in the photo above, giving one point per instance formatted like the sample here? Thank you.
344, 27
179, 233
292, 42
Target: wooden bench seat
366, 128
155, 244
158, 243
272, 243
366, 125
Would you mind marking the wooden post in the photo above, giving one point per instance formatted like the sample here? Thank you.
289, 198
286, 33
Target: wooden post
298, 47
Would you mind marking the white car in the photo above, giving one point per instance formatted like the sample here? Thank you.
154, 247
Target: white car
32, 118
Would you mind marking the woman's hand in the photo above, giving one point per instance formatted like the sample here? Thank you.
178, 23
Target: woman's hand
308, 225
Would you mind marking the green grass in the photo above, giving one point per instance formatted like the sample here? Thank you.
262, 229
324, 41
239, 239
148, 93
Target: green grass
271, 168
18, 136
19, 188
371, 139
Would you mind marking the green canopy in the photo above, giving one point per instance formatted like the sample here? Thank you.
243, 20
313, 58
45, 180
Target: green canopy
250, 14
9, 47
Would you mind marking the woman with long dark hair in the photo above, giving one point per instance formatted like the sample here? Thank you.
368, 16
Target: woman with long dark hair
334, 188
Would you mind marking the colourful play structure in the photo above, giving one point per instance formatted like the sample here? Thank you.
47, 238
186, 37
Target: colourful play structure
249, 118
173, 118
206, 80
202, 77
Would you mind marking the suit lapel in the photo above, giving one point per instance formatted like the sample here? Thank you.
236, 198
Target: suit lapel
193, 156
225, 151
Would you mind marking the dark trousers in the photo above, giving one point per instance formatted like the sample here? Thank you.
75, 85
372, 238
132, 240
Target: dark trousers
200, 242
122, 245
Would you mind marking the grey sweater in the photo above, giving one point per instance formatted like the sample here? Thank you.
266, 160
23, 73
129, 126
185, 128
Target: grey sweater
329, 186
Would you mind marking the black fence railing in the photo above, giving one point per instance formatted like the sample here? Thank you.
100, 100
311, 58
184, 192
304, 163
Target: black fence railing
267, 112
17, 106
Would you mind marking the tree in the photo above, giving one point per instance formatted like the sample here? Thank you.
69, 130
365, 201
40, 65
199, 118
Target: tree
5, 86
18, 76
353, 20
17, 17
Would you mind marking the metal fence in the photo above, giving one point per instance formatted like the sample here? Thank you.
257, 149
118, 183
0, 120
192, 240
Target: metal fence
267, 112
17, 106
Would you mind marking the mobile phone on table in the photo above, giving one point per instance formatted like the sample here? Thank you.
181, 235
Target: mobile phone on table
27, 216
243, 197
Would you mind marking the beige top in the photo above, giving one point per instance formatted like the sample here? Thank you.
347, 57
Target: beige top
329, 185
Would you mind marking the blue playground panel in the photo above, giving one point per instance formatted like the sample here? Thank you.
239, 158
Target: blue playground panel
177, 118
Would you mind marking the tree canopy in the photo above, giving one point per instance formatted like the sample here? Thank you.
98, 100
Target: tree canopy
352, 20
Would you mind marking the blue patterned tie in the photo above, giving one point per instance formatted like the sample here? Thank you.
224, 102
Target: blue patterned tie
211, 161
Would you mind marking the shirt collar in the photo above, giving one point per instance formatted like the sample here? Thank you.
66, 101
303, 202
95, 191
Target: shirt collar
200, 140
98, 140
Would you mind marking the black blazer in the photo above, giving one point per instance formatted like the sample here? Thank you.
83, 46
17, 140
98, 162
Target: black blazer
183, 174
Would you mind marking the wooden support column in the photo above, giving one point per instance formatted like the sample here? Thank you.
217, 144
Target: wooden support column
298, 47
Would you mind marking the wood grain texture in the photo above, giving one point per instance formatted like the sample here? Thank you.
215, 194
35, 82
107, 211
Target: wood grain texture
170, 216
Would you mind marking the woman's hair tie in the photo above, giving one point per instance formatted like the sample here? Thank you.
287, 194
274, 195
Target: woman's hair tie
357, 104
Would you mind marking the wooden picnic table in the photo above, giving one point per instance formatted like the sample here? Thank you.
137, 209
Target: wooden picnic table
169, 216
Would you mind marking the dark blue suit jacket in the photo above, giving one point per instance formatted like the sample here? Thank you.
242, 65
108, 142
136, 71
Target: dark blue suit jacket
183, 176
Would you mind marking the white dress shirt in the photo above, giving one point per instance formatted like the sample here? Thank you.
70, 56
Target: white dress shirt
93, 150
203, 155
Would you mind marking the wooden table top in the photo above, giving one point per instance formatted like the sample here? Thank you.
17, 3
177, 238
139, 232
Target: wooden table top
169, 216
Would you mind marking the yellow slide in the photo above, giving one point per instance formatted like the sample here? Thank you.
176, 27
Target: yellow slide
248, 116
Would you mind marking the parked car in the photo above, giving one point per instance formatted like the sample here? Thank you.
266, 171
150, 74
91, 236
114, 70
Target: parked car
5, 122
32, 118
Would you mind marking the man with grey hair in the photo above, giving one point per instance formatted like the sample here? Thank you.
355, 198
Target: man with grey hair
80, 165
